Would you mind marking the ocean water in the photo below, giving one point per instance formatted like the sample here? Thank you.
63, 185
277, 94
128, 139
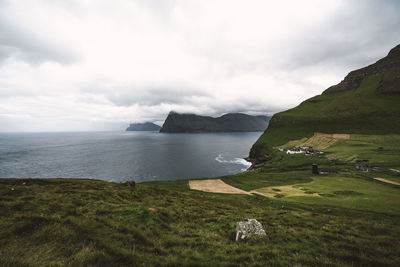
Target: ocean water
121, 156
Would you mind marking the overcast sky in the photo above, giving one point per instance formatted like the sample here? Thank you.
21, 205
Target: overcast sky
72, 65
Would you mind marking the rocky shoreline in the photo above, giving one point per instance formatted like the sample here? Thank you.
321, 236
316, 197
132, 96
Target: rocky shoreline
257, 162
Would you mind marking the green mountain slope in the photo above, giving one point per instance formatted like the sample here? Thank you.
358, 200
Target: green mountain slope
367, 101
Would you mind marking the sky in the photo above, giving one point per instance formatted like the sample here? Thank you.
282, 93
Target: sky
92, 65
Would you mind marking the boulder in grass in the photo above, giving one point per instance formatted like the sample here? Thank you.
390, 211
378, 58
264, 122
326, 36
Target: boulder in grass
131, 184
249, 227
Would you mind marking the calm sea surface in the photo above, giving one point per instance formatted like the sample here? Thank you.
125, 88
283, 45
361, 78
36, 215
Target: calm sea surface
120, 156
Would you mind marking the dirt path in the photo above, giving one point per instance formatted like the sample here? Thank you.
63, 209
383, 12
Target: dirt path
215, 186
386, 181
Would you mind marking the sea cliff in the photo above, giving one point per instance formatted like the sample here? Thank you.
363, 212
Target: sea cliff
147, 126
231, 122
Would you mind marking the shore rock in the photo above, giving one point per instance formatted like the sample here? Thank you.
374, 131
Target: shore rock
257, 162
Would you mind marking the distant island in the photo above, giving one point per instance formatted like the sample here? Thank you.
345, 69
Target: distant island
147, 126
231, 122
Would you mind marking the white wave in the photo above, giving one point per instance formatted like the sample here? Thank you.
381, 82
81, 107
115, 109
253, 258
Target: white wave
240, 161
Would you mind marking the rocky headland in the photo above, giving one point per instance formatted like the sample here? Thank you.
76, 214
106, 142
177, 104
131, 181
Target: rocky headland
231, 122
147, 126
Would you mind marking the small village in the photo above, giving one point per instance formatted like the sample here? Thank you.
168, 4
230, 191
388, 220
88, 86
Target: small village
362, 165
307, 150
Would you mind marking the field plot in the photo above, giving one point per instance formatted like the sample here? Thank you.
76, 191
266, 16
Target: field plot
318, 140
386, 181
379, 149
285, 191
350, 192
215, 186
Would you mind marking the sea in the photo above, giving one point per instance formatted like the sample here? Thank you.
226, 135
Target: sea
122, 156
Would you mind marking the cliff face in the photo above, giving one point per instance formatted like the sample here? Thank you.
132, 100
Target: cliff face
231, 122
365, 102
147, 126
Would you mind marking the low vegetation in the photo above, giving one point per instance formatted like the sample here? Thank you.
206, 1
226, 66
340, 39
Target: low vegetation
345, 219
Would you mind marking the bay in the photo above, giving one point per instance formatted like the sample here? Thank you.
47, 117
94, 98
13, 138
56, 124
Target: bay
121, 156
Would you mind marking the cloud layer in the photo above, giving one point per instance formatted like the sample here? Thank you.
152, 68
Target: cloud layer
98, 65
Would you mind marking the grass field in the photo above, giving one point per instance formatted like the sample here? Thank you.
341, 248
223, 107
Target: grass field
87, 222
367, 147
336, 190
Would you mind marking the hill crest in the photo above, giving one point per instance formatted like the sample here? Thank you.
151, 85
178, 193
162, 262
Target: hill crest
365, 102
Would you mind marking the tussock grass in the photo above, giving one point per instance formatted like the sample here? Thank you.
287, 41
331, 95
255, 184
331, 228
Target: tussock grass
88, 222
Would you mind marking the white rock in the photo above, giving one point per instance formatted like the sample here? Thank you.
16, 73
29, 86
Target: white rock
249, 227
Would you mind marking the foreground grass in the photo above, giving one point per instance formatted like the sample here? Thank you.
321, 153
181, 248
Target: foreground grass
88, 222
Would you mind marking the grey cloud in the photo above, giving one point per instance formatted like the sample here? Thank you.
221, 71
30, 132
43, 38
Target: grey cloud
201, 102
217, 108
248, 107
162, 9
359, 34
145, 96
29, 47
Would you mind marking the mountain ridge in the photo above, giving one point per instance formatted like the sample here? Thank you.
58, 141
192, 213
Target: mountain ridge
230, 122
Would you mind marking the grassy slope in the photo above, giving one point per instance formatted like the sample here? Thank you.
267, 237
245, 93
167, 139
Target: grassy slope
88, 222
362, 111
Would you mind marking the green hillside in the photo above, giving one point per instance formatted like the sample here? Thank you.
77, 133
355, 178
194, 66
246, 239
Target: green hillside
77, 222
367, 101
